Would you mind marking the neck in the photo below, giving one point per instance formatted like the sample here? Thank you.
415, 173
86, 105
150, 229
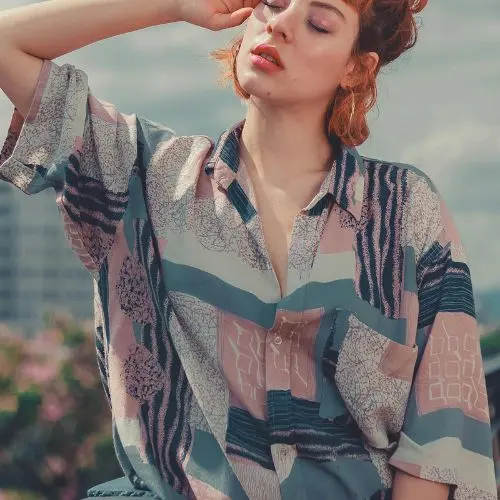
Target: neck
282, 143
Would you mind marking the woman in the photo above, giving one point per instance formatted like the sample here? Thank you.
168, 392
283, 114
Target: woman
276, 315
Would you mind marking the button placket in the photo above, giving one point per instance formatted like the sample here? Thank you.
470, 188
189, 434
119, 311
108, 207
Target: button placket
278, 335
278, 371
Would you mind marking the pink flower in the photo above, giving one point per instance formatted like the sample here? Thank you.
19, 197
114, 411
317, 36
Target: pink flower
54, 407
56, 464
86, 376
38, 373
51, 412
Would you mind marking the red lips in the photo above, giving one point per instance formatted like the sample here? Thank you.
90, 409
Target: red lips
269, 50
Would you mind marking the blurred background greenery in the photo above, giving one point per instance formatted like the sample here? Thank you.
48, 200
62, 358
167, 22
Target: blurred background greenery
55, 421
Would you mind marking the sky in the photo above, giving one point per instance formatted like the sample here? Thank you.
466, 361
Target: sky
438, 105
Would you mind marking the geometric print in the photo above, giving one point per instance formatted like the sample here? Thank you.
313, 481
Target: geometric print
452, 373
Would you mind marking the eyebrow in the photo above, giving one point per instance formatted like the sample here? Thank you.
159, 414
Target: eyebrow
328, 6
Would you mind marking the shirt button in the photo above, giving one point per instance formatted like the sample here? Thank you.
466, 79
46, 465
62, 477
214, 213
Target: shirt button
278, 340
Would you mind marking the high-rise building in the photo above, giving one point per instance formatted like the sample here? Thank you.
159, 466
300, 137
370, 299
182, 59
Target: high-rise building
38, 271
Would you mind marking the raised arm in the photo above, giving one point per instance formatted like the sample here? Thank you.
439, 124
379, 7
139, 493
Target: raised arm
50, 29
62, 136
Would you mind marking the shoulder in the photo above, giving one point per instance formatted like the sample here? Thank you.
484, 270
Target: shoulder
424, 215
418, 190
405, 173
154, 134
161, 149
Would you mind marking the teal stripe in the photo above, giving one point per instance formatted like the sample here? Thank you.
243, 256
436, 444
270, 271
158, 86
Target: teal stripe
207, 463
410, 270
341, 479
216, 292
337, 294
240, 200
448, 422
319, 350
247, 436
341, 295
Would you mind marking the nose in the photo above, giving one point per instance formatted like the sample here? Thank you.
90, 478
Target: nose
282, 25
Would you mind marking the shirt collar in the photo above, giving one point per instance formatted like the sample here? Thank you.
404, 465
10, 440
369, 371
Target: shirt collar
344, 182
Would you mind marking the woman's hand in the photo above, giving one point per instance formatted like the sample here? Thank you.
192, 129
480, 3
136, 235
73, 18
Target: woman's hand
215, 15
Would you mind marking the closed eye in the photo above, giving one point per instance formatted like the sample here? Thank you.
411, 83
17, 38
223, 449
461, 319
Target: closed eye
311, 25
317, 28
270, 5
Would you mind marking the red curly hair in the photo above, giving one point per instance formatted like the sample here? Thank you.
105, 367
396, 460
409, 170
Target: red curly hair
387, 27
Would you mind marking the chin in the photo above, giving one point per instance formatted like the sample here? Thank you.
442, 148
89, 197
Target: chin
255, 83
258, 90
259, 87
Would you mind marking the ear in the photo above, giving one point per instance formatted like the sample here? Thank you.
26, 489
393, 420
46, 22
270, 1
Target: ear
349, 72
372, 60
357, 67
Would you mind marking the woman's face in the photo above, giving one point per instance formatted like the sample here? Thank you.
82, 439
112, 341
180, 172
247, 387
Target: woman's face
314, 40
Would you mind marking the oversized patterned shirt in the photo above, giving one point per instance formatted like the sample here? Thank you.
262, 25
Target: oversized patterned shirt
222, 387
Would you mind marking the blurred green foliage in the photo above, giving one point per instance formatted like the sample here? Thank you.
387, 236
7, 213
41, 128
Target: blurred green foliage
55, 422
490, 343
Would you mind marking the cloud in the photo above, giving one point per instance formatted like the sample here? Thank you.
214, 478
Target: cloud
480, 234
454, 151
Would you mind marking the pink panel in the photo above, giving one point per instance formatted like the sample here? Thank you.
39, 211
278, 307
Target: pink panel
78, 145
398, 361
291, 364
409, 310
204, 490
122, 339
241, 354
451, 373
205, 186
162, 245
43, 79
256, 360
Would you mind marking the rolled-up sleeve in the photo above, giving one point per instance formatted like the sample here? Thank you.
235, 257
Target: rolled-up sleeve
446, 435
82, 147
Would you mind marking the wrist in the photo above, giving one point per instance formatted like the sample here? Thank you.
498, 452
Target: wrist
167, 11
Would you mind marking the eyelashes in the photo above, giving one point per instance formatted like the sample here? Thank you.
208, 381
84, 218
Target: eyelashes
317, 28
271, 6
309, 23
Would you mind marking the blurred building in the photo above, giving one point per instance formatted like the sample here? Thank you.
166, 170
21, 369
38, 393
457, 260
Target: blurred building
38, 271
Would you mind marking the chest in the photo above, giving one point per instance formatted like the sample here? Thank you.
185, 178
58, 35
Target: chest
279, 211
234, 230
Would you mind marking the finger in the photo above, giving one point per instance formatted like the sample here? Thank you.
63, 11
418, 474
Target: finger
223, 21
240, 16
